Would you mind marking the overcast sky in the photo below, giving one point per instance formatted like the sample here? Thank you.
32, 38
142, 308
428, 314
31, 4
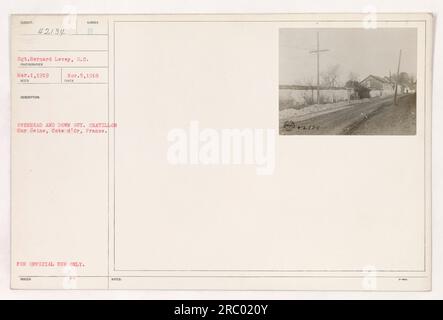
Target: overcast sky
360, 51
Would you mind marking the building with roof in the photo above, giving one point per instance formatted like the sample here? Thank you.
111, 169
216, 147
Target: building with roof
378, 86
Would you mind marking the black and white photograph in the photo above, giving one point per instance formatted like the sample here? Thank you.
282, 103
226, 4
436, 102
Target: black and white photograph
347, 81
229, 158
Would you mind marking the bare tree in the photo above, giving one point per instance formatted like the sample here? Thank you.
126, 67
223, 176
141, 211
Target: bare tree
403, 78
353, 76
329, 78
308, 81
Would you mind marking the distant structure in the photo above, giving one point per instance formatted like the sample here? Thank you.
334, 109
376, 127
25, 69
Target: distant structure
379, 86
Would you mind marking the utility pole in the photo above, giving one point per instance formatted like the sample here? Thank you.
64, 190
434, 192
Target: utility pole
318, 66
396, 81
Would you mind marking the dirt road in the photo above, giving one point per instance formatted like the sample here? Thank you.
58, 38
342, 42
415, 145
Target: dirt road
380, 117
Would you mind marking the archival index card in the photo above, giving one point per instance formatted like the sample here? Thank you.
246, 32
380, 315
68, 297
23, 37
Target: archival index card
231, 152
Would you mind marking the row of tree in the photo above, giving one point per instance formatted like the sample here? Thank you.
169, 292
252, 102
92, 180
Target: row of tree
330, 78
